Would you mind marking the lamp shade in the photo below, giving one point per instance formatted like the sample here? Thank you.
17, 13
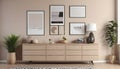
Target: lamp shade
91, 27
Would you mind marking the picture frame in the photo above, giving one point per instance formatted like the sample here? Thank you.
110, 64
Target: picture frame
54, 30
57, 14
77, 11
57, 30
76, 28
61, 30
35, 22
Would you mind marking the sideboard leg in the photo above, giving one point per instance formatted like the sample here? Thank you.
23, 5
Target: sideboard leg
30, 61
92, 62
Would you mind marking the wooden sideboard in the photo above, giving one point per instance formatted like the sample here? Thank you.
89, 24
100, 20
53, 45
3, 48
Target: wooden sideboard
60, 52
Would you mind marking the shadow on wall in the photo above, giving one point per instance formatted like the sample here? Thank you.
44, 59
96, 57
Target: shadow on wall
106, 47
3, 51
0, 50
19, 53
0, 28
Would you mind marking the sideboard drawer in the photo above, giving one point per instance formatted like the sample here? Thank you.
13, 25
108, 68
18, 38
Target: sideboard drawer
73, 47
72, 53
55, 58
55, 47
90, 47
56, 44
34, 58
33, 47
88, 58
89, 52
34, 53
73, 58
56, 52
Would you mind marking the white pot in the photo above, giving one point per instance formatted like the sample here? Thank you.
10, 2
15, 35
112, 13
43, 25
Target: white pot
11, 58
35, 41
112, 58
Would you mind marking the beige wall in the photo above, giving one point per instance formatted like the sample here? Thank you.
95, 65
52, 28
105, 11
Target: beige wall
13, 19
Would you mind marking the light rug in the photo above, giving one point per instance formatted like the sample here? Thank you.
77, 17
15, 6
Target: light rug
53, 67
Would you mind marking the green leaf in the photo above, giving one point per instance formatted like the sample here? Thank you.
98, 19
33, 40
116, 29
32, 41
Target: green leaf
111, 33
11, 42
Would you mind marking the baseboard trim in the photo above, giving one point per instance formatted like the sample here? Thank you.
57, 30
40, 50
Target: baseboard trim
100, 61
105, 61
3, 61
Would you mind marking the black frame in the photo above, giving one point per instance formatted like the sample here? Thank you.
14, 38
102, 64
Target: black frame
59, 30
56, 25
50, 14
50, 30
27, 22
77, 23
77, 6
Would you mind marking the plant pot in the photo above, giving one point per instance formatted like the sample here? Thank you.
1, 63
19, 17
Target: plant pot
11, 58
112, 58
35, 41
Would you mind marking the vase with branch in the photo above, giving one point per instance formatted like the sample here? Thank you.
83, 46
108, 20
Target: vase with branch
64, 39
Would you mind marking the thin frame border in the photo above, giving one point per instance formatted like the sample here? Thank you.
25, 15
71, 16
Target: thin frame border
50, 13
77, 6
76, 23
56, 25
50, 29
27, 22
59, 30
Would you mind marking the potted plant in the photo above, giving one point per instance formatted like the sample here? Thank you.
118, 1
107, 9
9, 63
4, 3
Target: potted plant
11, 43
111, 38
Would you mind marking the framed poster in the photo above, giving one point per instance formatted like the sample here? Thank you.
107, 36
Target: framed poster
57, 15
35, 22
77, 11
61, 30
77, 28
54, 30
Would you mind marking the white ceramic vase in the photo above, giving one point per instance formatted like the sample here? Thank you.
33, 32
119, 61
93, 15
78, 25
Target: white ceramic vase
35, 41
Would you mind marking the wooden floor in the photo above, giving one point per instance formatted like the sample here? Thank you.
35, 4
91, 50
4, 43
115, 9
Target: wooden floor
96, 65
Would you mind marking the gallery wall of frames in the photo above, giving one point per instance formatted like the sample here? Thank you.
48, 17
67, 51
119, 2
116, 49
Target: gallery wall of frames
36, 20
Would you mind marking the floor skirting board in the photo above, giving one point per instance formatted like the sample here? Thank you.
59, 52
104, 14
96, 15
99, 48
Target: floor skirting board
100, 61
3, 61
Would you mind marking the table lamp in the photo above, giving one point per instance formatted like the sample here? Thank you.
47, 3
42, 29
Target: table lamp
91, 28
